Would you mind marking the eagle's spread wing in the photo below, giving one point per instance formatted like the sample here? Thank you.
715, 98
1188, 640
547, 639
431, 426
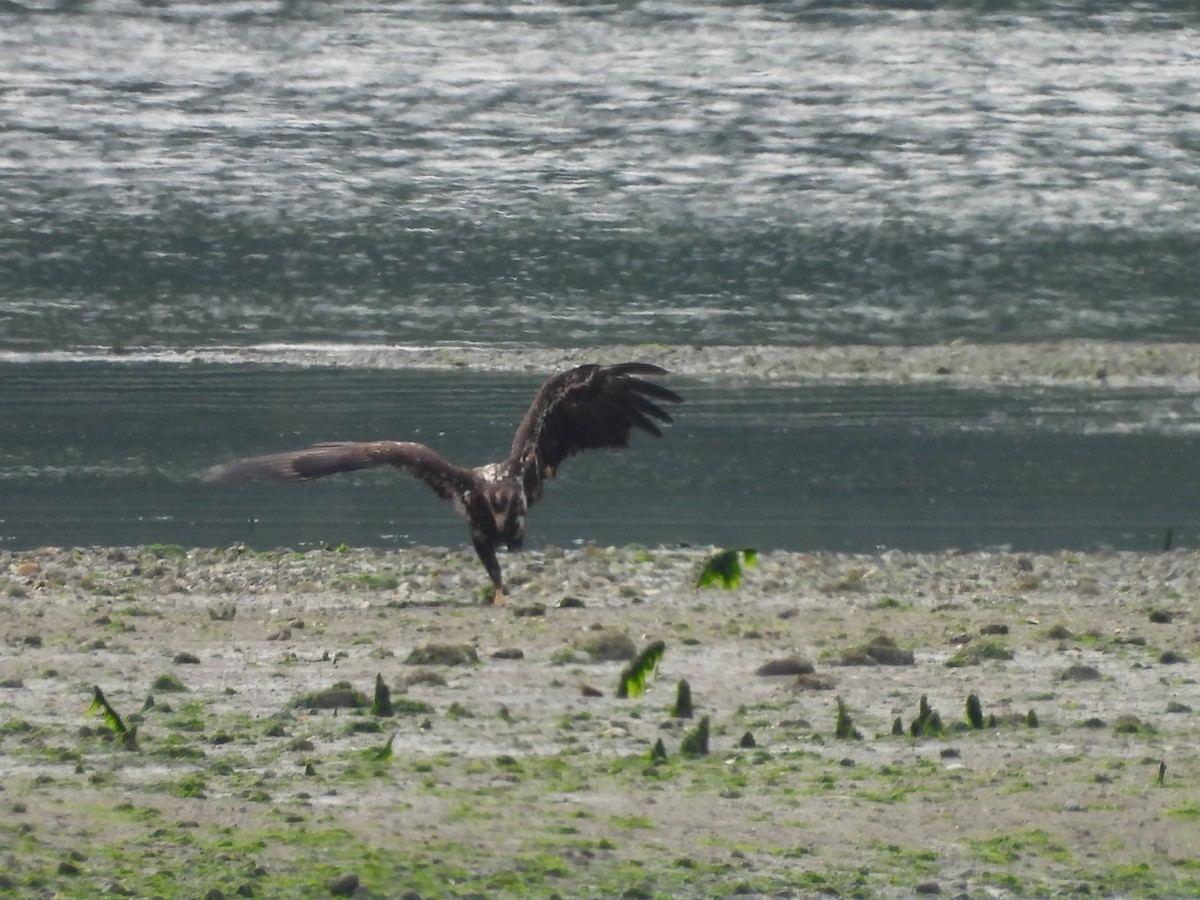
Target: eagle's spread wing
418, 460
587, 408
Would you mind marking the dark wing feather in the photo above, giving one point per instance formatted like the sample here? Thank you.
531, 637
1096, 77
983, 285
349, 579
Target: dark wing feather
418, 460
587, 408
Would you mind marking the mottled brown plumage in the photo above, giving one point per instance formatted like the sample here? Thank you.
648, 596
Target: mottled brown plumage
586, 408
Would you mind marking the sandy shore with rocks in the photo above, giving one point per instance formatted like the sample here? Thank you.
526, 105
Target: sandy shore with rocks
510, 767
1066, 362
1078, 362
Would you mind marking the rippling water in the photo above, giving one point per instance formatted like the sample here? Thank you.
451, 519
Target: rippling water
566, 173
116, 460
199, 174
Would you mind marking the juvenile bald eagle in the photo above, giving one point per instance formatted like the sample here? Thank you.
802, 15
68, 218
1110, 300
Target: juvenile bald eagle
584, 408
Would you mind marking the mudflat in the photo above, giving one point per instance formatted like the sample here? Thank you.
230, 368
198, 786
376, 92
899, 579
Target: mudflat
1117, 364
1059, 752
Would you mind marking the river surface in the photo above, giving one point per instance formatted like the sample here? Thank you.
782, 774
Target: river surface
184, 176
116, 459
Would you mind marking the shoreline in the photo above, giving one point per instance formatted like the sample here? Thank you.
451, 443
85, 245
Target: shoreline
1068, 363
448, 575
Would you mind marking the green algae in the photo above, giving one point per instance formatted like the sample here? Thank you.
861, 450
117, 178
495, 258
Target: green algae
632, 681
725, 568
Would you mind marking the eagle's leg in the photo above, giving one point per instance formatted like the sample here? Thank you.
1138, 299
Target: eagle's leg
487, 556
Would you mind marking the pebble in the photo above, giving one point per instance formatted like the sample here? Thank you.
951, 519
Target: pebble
792, 665
343, 885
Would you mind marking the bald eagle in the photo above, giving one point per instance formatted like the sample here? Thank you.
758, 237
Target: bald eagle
585, 408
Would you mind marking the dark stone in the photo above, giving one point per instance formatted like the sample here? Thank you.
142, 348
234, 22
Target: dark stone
812, 682
882, 651
343, 885
792, 665
443, 655
333, 698
610, 645
1080, 673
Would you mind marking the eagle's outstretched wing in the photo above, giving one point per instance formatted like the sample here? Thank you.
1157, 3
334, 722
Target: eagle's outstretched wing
446, 479
584, 409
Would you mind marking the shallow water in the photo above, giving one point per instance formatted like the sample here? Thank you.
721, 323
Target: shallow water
105, 453
553, 174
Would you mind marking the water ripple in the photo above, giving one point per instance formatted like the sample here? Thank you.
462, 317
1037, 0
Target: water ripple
562, 173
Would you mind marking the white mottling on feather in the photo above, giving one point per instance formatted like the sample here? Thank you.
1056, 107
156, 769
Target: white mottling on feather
490, 473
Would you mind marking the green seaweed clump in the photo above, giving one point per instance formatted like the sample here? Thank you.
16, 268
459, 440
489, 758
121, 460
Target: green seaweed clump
977, 654
381, 754
168, 683
633, 677
975, 711
844, 730
927, 723
683, 700
100, 704
381, 705
658, 753
1130, 724
695, 742
341, 695
725, 568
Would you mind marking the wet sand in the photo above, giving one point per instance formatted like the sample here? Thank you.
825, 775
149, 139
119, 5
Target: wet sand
1085, 362
1122, 364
